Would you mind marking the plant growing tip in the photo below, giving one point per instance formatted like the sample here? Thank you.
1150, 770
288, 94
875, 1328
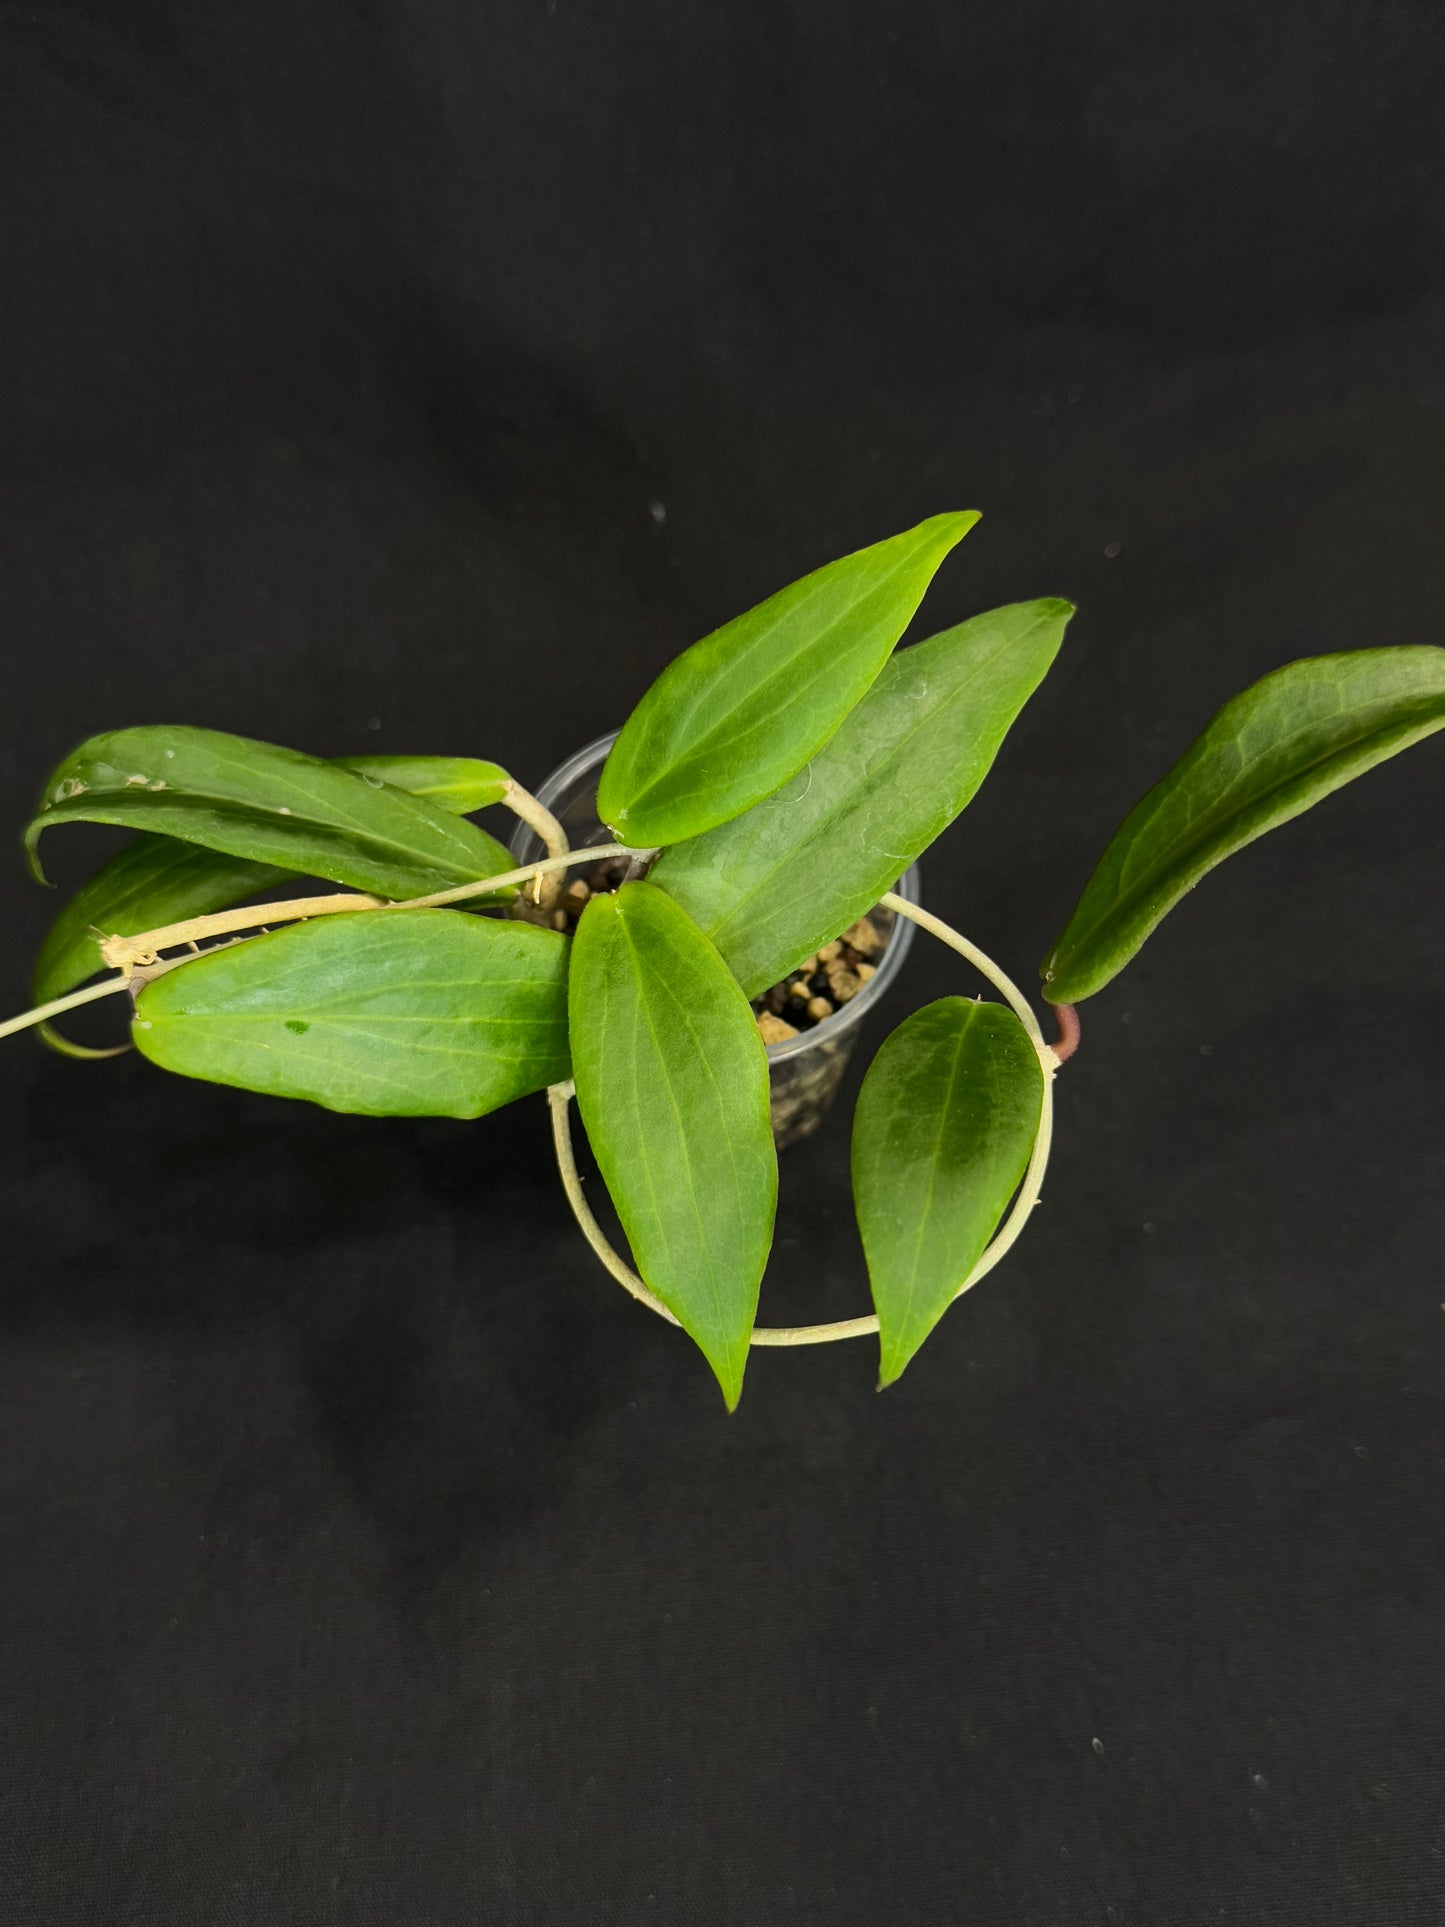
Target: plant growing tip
771, 786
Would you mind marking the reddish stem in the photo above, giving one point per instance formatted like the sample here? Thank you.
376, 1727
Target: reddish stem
1068, 1039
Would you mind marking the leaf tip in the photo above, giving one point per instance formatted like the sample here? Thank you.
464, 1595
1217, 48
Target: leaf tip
67, 1047
892, 1362
32, 851
727, 1359
954, 524
729, 1375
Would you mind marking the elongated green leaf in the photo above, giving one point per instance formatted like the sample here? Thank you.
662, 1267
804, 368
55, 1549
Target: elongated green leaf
672, 1083
459, 784
405, 1013
158, 880
945, 1122
267, 805
773, 884
739, 713
1267, 756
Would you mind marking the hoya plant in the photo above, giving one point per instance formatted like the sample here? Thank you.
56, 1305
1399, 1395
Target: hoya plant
761, 801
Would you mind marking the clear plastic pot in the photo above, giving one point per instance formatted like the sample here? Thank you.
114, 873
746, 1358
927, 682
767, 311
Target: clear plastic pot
805, 1070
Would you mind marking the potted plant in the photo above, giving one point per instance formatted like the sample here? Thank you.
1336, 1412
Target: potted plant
755, 813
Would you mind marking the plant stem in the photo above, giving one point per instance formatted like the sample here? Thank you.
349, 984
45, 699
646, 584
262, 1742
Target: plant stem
559, 1097
125, 952
540, 820
122, 953
814, 1334
59, 1005
936, 927
642, 862
1067, 1041
595, 853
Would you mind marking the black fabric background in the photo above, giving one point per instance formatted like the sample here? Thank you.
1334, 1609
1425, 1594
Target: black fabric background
367, 1556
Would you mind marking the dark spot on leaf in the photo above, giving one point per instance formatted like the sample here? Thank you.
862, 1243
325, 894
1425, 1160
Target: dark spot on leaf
295, 1023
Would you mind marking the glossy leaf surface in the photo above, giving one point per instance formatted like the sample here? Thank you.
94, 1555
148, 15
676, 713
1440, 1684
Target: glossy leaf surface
945, 1123
739, 713
773, 884
158, 880
1267, 756
672, 1084
267, 805
459, 784
404, 1013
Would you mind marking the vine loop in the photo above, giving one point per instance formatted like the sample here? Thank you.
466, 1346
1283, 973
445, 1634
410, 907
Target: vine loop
559, 1098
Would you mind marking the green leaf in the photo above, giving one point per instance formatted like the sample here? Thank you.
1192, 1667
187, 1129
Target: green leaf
459, 784
739, 713
405, 1013
945, 1123
1267, 756
267, 805
773, 884
672, 1084
158, 880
